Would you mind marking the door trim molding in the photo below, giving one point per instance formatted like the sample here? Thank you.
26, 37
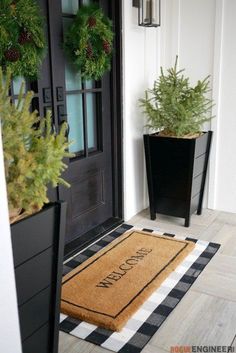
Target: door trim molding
117, 110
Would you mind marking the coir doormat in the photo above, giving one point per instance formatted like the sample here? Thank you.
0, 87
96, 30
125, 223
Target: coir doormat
109, 287
144, 323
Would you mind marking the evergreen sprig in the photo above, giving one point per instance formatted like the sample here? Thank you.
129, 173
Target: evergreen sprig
88, 42
176, 107
22, 38
33, 153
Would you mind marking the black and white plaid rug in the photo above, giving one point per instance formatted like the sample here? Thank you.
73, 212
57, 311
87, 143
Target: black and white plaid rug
150, 316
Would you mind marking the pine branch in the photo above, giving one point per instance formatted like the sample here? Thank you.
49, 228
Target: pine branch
173, 105
33, 153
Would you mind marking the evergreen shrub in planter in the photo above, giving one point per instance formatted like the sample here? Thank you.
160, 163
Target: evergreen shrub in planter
177, 152
33, 157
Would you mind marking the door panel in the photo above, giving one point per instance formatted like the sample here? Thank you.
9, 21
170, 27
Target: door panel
85, 105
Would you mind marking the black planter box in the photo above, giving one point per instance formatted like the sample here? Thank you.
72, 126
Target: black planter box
38, 246
176, 173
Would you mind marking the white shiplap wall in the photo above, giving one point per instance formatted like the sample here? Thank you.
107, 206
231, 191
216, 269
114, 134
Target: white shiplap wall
140, 62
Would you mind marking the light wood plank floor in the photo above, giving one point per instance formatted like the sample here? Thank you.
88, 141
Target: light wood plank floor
207, 313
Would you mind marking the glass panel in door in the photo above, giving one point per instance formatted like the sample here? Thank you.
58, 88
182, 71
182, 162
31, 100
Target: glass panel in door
82, 98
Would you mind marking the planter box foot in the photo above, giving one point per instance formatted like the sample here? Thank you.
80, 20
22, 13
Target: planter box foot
187, 222
153, 216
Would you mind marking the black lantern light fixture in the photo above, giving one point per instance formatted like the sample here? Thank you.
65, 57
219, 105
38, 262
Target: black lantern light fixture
149, 12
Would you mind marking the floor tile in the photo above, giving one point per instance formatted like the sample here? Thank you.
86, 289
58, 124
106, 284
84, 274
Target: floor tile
227, 217
218, 285
199, 319
222, 264
234, 343
97, 349
153, 349
227, 238
207, 217
71, 344
210, 232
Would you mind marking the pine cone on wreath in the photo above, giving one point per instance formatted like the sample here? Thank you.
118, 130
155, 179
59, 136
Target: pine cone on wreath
25, 37
12, 54
92, 22
106, 47
89, 51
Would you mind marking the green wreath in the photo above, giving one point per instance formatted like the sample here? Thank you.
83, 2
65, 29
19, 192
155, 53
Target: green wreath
22, 39
88, 42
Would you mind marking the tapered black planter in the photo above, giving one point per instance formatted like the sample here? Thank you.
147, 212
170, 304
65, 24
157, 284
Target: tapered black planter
176, 173
38, 246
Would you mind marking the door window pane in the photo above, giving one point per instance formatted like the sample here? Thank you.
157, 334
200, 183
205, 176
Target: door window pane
17, 82
89, 84
73, 79
69, 6
75, 120
91, 119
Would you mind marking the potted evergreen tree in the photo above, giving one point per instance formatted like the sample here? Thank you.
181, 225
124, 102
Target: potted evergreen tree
177, 152
33, 157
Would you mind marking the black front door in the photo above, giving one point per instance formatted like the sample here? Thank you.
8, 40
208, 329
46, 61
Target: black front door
92, 111
85, 105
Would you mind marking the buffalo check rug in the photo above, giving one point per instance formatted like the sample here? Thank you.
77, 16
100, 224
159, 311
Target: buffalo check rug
153, 312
